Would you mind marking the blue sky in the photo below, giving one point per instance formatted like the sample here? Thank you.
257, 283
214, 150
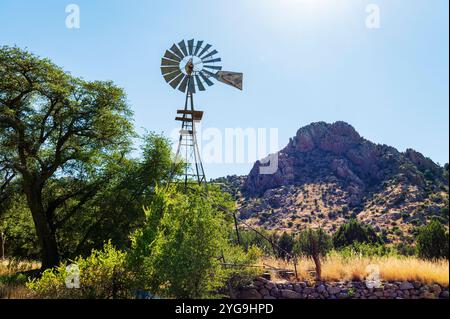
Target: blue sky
303, 61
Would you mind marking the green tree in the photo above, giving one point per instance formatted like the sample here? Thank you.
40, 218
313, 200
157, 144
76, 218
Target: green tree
116, 209
314, 244
353, 231
433, 241
285, 245
55, 125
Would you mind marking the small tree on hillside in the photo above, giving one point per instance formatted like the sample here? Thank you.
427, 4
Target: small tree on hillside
432, 241
315, 244
285, 245
353, 231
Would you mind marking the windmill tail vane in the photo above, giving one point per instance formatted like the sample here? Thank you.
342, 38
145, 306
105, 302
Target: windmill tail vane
192, 66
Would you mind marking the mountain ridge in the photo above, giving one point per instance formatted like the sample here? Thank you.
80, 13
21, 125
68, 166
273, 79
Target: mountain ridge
328, 173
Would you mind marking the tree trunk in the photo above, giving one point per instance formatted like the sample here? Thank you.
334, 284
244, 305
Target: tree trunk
44, 231
316, 256
3, 239
316, 259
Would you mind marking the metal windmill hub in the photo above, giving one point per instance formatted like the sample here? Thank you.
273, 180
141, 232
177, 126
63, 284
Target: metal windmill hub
192, 65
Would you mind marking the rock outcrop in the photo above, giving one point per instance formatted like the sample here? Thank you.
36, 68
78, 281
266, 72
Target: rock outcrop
322, 149
328, 174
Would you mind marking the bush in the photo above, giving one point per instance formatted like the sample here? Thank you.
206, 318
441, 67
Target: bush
353, 231
181, 249
433, 241
367, 250
101, 275
405, 249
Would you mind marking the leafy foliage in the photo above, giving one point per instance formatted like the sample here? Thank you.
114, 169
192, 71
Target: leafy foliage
433, 241
180, 251
285, 245
17, 230
314, 243
249, 238
354, 231
101, 275
57, 132
368, 250
116, 209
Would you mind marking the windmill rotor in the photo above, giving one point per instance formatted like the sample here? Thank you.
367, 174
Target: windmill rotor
193, 65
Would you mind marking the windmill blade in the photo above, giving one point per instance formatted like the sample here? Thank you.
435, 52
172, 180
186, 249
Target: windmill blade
231, 78
206, 48
183, 84
210, 54
198, 46
199, 83
190, 46
205, 78
170, 76
168, 69
177, 51
213, 67
183, 48
212, 61
171, 56
177, 80
168, 62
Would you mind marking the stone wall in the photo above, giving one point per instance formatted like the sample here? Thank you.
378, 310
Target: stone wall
262, 288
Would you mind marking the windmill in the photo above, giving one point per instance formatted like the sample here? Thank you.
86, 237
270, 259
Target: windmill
192, 67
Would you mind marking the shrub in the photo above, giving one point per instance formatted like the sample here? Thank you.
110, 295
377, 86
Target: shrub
405, 249
181, 249
101, 275
433, 241
367, 250
354, 231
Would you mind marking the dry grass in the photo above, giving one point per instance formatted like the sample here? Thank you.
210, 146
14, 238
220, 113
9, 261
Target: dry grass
13, 266
12, 280
338, 268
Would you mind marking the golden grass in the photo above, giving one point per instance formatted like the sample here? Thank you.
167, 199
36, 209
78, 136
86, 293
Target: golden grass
11, 287
13, 266
392, 268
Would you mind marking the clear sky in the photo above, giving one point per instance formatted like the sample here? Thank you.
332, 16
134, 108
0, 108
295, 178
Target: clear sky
303, 61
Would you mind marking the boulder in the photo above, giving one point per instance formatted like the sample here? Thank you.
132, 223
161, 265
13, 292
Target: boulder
321, 288
333, 290
290, 294
251, 293
406, 285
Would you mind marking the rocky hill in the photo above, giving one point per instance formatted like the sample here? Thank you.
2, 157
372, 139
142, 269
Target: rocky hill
328, 174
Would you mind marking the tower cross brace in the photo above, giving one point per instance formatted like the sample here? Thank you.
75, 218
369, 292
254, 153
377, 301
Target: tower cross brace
188, 150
